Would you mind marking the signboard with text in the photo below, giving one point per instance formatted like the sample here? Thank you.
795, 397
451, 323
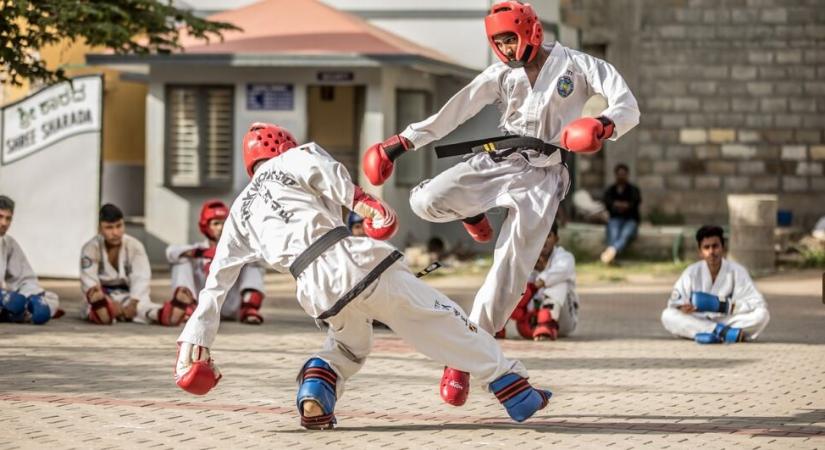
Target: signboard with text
50, 166
51, 115
270, 97
335, 76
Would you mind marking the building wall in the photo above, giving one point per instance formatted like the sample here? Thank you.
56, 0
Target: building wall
431, 23
732, 98
437, 24
171, 212
428, 23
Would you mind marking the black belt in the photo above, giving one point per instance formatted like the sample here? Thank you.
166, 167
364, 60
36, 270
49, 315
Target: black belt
119, 287
362, 285
498, 147
316, 248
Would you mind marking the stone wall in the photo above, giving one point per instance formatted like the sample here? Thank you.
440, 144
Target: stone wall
732, 94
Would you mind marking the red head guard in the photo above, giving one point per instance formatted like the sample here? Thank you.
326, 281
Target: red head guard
211, 209
264, 141
518, 18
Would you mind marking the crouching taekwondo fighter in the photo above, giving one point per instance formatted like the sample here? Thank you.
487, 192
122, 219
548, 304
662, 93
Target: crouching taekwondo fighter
289, 217
540, 89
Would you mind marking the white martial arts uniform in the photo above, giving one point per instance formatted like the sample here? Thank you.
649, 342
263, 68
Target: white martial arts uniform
292, 201
734, 284
190, 273
130, 279
531, 189
17, 273
559, 291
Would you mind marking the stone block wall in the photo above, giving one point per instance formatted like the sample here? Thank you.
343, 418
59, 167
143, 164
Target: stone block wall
732, 94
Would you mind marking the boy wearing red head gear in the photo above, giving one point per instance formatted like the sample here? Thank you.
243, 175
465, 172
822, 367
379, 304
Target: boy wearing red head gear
540, 90
289, 217
190, 266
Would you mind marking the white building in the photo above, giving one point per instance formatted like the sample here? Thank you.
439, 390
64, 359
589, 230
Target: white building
343, 73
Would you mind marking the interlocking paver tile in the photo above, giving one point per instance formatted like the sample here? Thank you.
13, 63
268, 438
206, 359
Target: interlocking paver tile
620, 382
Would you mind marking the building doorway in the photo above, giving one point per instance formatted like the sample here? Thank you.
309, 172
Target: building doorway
334, 116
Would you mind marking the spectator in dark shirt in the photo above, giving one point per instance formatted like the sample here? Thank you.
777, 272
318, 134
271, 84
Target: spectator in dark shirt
622, 200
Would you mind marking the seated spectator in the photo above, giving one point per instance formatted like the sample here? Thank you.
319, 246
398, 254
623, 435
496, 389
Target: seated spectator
190, 266
715, 300
549, 307
22, 299
622, 200
355, 224
115, 274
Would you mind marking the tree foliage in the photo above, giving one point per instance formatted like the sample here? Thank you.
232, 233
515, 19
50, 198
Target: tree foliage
125, 26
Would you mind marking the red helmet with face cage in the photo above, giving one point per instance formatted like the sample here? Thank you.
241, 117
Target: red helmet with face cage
265, 141
211, 209
520, 19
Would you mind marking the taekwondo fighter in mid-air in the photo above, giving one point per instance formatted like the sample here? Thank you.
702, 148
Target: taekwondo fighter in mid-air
715, 300
540, 90
190, 265
289, 217
21, 297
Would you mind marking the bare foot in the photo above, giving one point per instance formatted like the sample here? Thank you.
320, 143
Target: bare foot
103, 314
184, 296
312, 409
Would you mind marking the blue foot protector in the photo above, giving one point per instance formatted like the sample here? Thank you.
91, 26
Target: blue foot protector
318, 382
520, 399
721, 334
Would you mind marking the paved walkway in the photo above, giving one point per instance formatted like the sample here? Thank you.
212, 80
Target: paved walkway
619, 382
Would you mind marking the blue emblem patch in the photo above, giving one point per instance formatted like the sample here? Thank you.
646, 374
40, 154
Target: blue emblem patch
565, 86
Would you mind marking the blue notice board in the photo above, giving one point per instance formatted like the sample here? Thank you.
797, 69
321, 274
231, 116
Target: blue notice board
270, 97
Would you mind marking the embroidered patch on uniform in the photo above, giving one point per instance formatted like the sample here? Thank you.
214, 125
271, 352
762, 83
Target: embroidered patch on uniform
565, 86
85, 262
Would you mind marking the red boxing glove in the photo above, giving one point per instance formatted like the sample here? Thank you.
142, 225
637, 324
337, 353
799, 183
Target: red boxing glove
208, 255
380, 221
378, 159
195, 372
529, 293
585, 135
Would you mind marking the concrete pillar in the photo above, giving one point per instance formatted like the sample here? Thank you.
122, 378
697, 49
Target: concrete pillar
752, 221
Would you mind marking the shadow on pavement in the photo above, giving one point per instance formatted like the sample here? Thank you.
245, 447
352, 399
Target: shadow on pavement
798, 425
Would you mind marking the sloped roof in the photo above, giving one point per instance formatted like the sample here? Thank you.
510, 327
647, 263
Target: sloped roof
305, 27
294, 33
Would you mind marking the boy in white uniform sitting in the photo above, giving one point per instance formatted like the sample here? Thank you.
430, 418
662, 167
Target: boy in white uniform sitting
549, 306
715, 300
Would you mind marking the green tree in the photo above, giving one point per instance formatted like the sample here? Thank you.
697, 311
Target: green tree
125, 26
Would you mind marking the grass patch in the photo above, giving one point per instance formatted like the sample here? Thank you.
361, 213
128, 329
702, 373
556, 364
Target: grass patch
813, 258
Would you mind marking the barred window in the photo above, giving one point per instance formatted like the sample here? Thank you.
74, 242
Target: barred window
199, 136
